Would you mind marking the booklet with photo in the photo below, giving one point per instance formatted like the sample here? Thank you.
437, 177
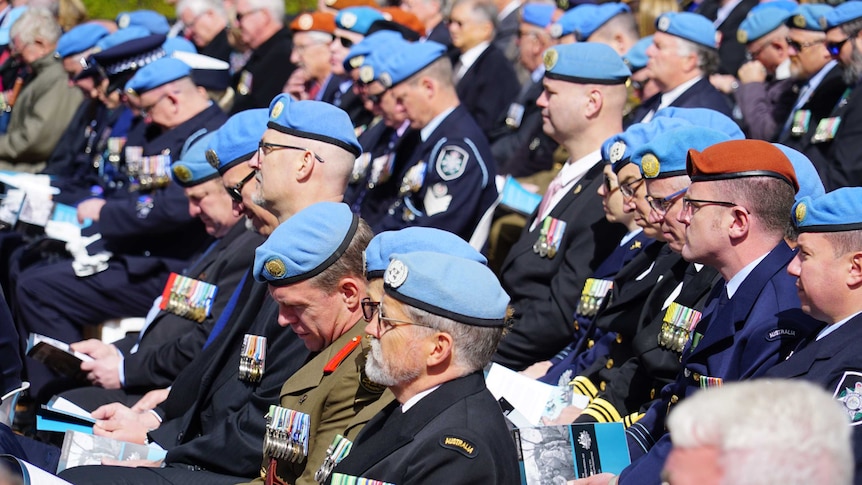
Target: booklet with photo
86, 449
531, 400
556, 454
28, 472
517, 198
57, 355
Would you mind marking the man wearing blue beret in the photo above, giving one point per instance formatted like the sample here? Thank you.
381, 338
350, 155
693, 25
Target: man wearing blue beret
844, 167
828, 269
430, 339
351, 27
567, 237
682, 57
811, 126
448, 180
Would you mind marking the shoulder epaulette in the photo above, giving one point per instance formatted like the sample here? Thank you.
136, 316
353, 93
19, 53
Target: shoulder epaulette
342, 354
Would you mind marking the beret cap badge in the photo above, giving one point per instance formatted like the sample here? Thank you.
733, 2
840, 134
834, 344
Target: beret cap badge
650, 165
182, 173
800, 212
618, 150
212, 158
276, 110
742, 36
366, 74
396, 274
799, 20
275, 267
305, 21
550, 59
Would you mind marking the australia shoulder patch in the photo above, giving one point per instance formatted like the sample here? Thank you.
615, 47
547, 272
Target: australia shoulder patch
849, 394
451, 162
459, 444
781, 334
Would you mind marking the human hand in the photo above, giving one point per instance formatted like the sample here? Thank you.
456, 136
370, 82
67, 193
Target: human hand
121, 423
104, 372
94, 348
722, 82
567, 416
151, 400
752, 72
599, 479
296, 84
90, 209
537, 370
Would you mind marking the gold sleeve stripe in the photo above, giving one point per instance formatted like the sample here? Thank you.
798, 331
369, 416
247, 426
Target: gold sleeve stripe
583, 386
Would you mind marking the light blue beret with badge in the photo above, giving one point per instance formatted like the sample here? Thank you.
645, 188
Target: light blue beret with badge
600, 15
705, 117
619, 148
840, 15
538, 14
664, 156
807, 17
585, 63
571, 20
410, 59
80, 38
237, 140
762, 21
158, 73
836, 211
456, 288
389, 40
689, 26
314, 120
154, 22
193, 168
306, 244
810, 184
411, 240
636, 57
357, 19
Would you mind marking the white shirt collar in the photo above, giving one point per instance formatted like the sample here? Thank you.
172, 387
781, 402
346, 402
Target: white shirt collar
630, 235
468, 58
737, 279
432, 125
415, 399
669, 97
509, 8
831, 328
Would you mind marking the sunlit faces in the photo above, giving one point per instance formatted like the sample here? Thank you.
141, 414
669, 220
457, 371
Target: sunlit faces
158, 106
665, 62
634, 199
807, 51
562, 105
819, 272
275, 173
262, 221
667, 194
340, 46
396, 356
836, 39
466, 28
311, 52
251, 22
705, 238
310, 312
212, 205
381, 101
413, 99
612, 198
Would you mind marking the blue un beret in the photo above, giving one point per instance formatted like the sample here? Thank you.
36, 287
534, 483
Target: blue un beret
410, 59
80, 38
456, 288
761, 22
306, 244
158, 73
10, 19
315, 120
689, 26
389, 39
704, 117
585, 63
840, 15
810, 184
192, 168
636, 57
411, 240
599, 16
836, 211
619, 148
237, 140
664, 156
571, 20
154, 22
357, 19
807, 17
178, 44
538, 14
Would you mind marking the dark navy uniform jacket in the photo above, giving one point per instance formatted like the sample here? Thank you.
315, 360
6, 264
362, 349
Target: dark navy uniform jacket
457, 183
700, 95
265, 73
454, 435
524, 149
835, 363
742, 338
844, 155
487, 88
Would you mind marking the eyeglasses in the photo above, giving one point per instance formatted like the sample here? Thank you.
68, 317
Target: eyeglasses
662, 205
639, 85
799, 47
690, 206
628, 188
384, 324
264, 149
834, 48
608, 183
345, 42
235, 192
750, 56
375, 98
146, 111
240, 16
300, 48
191, 25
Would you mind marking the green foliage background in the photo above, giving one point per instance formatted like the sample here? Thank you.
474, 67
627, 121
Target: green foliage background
108, 9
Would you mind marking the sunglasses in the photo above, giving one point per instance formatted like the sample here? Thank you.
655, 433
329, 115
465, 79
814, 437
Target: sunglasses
834, 48
798, 47
235, 192
345, 42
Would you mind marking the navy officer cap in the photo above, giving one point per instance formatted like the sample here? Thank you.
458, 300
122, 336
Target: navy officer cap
237, 140
810, 184
192, 168
80, 38
314, 120
664, 156
807, 17
689, 26
836, 211
305, 245
118, 63
413, 239
599, 16
585, 63
619, 148
462, 290
158, 73
840, 15
408, 60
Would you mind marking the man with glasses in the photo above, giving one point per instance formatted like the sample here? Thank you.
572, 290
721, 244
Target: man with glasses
206, 25
430, 340
312, 34
351, 27
735, 212
823, 86
261, 27
844, 167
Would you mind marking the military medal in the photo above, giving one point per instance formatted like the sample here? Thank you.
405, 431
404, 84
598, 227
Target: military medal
381, 169
826, 130
252, 358
801, 119
677, 325
338, 449
286, 435
188, 297
515, 115
360, 165
342, 479
592, 295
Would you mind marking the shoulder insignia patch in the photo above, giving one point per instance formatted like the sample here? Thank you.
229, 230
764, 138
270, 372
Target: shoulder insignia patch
849, 393
460, 445
368, 384
452, 162
780, 333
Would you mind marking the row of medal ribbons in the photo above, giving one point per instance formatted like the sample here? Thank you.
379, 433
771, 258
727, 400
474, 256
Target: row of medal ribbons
286, 434
188, 297
678, 323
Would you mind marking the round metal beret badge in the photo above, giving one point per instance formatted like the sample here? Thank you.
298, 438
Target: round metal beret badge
550, 59
276, 110
799, 20
275, 267
366, 74
801, 210
396, 274
305, 21
742, 36
618, 149
212, 158
650, 165
182, 173
663, 24
348, 20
